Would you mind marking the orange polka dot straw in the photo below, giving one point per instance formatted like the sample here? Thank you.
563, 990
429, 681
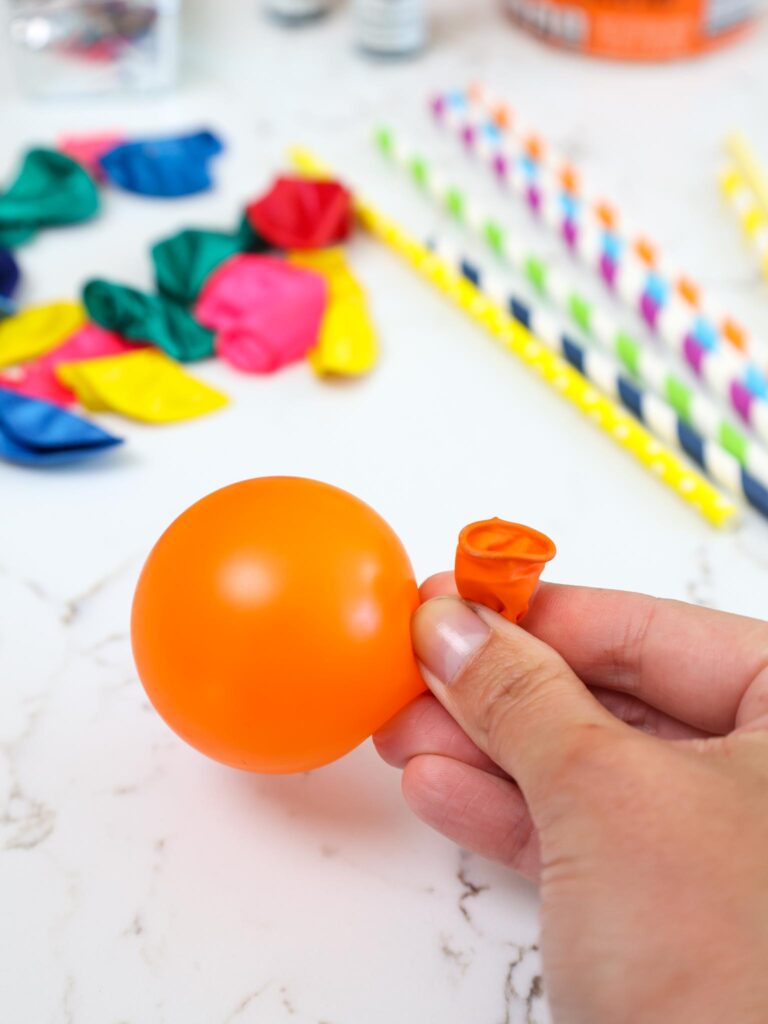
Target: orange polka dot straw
522, 161
689, 291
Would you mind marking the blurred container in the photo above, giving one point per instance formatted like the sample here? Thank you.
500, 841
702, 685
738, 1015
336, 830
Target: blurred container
391, 27
651, 30
91, 47
297, 10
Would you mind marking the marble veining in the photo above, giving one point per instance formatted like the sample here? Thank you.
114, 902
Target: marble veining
143, 884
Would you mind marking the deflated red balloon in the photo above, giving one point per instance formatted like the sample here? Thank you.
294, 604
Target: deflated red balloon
299, 213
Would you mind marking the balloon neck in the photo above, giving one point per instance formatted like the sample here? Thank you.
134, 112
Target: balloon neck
498, 564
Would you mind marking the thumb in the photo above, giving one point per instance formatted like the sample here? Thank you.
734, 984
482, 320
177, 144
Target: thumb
513, 695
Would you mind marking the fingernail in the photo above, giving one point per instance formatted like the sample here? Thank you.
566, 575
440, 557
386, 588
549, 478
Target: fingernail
445, 633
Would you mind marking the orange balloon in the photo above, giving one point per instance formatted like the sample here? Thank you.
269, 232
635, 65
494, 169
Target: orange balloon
498, 564
271, 624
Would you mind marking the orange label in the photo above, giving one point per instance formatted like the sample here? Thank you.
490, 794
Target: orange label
634, 29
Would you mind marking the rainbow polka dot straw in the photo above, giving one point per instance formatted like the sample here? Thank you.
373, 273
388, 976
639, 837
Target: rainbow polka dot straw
644, 287
624, 430
660, 418
693, 407
752, 217
519, 142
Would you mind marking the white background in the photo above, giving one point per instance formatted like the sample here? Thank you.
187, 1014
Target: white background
141, 883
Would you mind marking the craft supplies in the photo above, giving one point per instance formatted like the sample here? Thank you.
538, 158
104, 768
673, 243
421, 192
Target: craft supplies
50, 189
752, 218
622, 428
37, 378
35, 433
136, 316
392, 28
184, 261
725, 370
745, 159
498, 564
660, 418
347, 343
89, 149
163, 167
591, 226
91, 47
10, 275
266, 313
143, 385
37, 329
298, 214
644, 30
277, 578
695, 409
745, 186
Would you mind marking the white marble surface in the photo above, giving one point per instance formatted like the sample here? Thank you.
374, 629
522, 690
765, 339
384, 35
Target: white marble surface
142, 884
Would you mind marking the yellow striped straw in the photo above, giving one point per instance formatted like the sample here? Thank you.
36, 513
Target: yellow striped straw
625, 431
750, 214
746, 161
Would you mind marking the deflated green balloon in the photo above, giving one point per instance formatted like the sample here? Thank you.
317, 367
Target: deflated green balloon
184, 261
153, 318
50, 189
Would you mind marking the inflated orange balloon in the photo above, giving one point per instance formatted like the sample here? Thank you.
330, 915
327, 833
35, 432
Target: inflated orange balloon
271, 624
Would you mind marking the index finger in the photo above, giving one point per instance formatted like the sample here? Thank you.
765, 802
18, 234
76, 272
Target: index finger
690, 662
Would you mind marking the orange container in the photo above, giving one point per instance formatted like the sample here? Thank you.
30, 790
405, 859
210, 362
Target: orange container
651, 30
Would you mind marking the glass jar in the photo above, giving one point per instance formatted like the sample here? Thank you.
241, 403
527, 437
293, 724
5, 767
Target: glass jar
89, 47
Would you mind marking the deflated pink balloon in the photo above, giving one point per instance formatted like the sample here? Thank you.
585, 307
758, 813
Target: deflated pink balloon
37, 378
266, 313
89, 149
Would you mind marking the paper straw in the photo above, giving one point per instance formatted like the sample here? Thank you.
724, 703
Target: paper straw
519, 140
688, 333
605, 374
625, 431
744, 158
696, 409
751, 216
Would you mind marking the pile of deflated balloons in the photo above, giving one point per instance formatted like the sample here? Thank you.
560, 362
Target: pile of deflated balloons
274, 290
9, 281
39, 433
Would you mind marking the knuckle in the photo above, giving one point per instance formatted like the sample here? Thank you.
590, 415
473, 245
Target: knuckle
509, 684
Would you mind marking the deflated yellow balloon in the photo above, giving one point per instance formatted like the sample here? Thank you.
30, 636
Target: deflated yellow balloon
347, 343
146, 385
38, 329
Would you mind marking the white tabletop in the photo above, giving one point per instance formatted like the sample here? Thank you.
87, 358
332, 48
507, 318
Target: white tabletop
141, 883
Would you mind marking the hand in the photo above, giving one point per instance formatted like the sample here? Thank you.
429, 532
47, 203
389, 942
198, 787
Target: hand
615, 750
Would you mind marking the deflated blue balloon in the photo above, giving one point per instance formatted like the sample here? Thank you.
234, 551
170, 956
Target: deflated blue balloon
37, 433
169, 167
9, 281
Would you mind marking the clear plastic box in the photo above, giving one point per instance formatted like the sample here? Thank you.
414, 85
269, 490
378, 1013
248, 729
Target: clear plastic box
91, 47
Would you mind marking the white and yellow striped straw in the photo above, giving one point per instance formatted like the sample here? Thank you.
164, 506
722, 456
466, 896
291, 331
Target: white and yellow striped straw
619, 425
743, 156
751, 215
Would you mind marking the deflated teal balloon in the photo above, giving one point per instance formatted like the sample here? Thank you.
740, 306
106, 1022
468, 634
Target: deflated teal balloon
184, 261
50, 189
137, 316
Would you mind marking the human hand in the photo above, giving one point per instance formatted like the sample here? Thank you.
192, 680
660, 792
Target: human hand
616, 752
